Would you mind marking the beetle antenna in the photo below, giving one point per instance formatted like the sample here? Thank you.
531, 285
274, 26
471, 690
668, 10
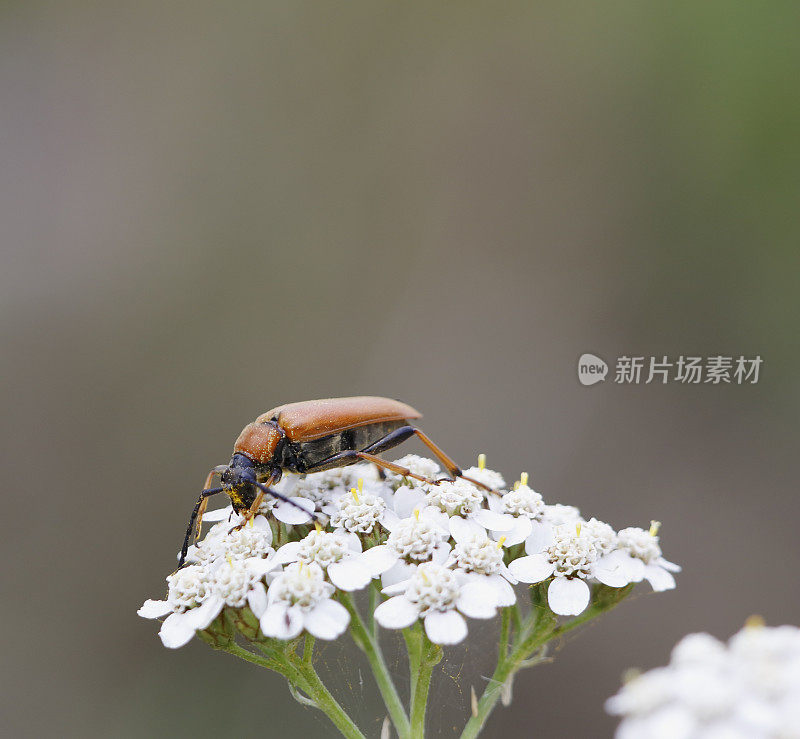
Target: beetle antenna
280, 496
185, 548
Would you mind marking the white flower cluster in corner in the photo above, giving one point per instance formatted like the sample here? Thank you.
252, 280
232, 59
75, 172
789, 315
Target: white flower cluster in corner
748, 688
443, 553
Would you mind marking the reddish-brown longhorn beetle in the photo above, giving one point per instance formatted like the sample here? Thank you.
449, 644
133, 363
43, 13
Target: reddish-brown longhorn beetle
312, 436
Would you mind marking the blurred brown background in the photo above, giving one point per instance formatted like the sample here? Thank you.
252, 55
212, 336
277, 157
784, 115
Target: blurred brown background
209, 209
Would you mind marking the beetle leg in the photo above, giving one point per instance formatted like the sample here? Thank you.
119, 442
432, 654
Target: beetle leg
264, 490
198, 524
392, 467
250, 513
451, 466
204, 503
351, 455
400, 435
391, 440
219, 469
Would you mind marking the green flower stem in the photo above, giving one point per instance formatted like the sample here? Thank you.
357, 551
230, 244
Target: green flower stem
374, 601
413, 638
505, 632
535, 631
366, 640
431, 655
523, 645
308, 650
327, 703
516, 617
271, 664
298, 672
489, 698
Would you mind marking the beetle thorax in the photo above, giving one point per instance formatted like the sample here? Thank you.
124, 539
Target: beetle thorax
258, 442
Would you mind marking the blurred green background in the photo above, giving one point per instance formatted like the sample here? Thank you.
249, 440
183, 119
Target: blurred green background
210, 209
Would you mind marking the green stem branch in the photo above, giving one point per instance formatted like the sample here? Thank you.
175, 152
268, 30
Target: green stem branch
308, 650
534, 632
431, 655
413, 638
327, 703
366, 640
302, 675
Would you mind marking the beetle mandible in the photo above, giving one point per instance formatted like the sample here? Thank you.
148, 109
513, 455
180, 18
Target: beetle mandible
312, 436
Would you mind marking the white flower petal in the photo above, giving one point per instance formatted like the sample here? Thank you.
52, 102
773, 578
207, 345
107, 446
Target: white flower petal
504, 593
462, 529
540, 538
259, 566
531, 569
438, 518
349, 574
154, 609
494, 521
671, 566
504, 572
288, 513
389, 520
257, 599
261, 522
406, 499
659, 578
440, 553
477, 600
610, 570
396, 613
176, 630
271, 576
327, 620
281, 621
220, 514
568, 596
398, 572
353, 542
397, 588
378, 559
521, 531
445, 627
202, 617
287, 553
495, 503
634, 568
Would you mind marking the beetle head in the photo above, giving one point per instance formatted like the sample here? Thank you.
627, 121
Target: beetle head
239, 474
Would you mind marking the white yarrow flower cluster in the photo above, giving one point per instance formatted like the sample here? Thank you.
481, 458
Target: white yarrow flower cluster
227, 569
441, 598
421, 466
748, 688
299, 599
441, 552
359, 513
